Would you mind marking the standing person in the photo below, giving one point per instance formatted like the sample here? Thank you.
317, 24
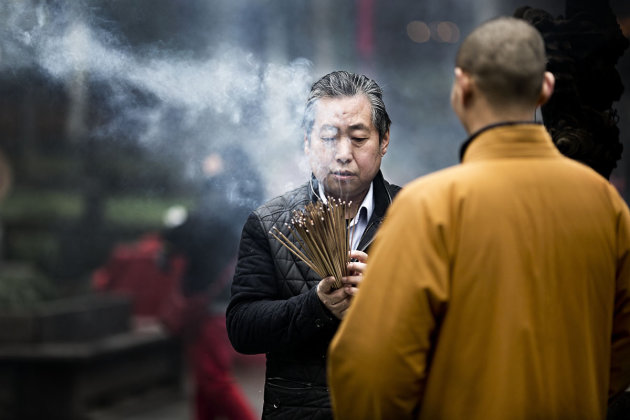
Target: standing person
279, 306
499, 288
208, 241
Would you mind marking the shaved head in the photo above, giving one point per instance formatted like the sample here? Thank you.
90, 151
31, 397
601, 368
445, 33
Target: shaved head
506, 59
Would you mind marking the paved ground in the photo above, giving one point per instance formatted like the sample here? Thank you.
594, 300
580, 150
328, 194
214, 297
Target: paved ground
169, 404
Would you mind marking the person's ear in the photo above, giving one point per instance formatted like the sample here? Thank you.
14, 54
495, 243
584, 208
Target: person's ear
306, 144
548, 84
384, 143
462, 88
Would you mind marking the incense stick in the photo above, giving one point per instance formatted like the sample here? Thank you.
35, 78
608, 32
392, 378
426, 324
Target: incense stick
322, 239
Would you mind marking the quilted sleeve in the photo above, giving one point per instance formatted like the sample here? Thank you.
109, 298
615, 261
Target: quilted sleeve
259, 319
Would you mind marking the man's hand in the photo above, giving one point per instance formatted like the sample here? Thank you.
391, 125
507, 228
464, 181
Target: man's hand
356, 269
338, 300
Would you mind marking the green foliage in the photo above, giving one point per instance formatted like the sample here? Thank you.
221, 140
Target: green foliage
48, 230
140, 211
22, 286
41, 205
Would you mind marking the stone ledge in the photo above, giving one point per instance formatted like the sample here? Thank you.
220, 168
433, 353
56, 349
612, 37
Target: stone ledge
62, 381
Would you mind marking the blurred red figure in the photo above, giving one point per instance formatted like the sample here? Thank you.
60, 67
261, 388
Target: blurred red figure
140, 271
217, 395
208, 240
150, 272
183, 275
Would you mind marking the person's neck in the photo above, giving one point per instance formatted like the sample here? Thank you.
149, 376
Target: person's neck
352, 209
352, 203
483, 117
355, 203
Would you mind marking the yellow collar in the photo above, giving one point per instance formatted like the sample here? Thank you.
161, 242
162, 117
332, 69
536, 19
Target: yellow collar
519, 140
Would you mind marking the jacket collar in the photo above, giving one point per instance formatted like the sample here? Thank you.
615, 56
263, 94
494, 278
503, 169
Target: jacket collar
518, 139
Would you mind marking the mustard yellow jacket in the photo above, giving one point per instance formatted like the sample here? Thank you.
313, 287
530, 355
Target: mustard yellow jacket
496, 289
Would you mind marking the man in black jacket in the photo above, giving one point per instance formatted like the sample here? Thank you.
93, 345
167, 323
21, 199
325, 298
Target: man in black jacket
281, 307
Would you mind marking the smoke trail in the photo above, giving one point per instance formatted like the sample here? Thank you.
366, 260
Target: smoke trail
163, 98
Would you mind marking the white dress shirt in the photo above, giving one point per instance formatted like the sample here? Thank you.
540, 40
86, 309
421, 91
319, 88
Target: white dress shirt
359, 223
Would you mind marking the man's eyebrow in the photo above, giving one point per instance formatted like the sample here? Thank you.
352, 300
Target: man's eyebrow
359, 126
329, 127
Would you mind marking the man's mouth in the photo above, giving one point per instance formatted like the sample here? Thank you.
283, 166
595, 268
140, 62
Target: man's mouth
342, 175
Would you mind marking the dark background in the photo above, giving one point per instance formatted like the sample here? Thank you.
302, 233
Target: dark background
108, 108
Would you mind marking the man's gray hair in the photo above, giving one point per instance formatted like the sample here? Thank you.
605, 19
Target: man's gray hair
344, 83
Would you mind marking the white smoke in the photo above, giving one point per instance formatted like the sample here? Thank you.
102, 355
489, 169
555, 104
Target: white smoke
230, 97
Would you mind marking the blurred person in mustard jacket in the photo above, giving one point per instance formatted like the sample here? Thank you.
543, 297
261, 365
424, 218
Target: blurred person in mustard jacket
498, 288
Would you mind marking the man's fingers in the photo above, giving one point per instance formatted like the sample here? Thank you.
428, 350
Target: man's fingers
336, 300
359, 256
326, 285
351, 290
352, 280
343, 300
356, 267
342, 305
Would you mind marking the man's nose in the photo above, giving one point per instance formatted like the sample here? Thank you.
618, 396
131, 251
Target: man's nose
343, 150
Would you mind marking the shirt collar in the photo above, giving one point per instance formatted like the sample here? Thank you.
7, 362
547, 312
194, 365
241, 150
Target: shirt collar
366, 207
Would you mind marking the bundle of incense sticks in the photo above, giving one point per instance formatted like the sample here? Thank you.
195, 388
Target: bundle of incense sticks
322, 240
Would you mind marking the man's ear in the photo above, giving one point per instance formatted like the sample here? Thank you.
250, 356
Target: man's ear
462, 87
306, 144
549, 81
384, 143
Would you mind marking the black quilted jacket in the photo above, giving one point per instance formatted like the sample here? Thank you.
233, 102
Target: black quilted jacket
275, 310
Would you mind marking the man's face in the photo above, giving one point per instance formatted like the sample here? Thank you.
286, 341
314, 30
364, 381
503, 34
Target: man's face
344, 150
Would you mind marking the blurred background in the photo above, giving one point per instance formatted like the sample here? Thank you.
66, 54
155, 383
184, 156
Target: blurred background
115, 114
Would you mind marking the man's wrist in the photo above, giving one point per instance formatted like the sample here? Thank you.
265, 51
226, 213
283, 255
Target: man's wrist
322, 310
